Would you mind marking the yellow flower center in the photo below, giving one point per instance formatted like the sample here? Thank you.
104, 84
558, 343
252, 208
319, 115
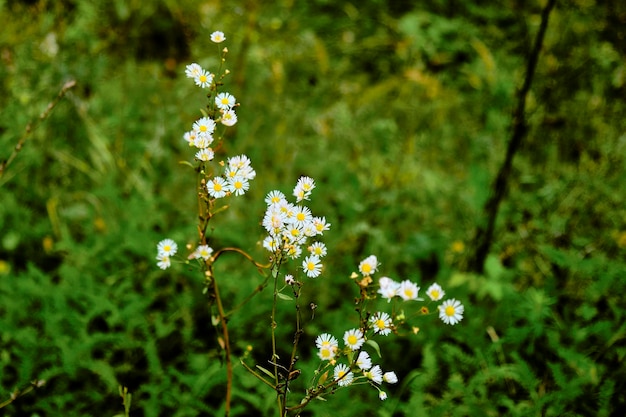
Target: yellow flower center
367, 268
325, 352
217, 186
449, 311
380, 323
352, 339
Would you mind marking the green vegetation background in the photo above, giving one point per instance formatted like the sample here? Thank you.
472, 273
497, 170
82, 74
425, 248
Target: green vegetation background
401, 112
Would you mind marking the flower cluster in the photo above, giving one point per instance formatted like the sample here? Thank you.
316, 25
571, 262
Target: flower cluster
450, 311
201, 134
380, 323
360, 367
238, 171
291, 226
236, 179
167, 248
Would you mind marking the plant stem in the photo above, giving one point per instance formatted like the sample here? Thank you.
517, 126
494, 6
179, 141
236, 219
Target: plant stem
31, 126
483, 237
17, 393
225, 336
280, 401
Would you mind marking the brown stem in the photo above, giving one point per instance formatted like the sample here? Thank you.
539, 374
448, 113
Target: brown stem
223, 316
483, 237
225, 336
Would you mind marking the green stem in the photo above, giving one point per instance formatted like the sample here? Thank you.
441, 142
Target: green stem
279, 400
31, 126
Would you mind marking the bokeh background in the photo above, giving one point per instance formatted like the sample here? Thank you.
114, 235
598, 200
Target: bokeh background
401, 111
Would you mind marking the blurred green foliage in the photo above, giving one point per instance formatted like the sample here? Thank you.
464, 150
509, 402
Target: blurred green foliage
401, 113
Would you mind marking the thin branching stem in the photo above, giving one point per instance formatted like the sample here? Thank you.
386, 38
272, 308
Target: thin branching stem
31, 126
19, 393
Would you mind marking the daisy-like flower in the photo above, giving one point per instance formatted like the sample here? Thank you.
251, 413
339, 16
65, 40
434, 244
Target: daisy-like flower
354, 339
312, 266
239, 161
320, 225
388, 288
435, 292
381, 323
343, 375
375, 374
167, 247
303, 188
203, 251
238, 185
308, 228
163, 261
294, 234
240, 165
225, 101
302, 215
193, 70
327, 353
271, 244
274, 197
390, 377
364, 361
190, 137
273, 221
205, 154
293, 251
451, 311
203, 79
229, 118
288, 209
217, 187
204, 126
382, 395
318, 249
202, 141
368, 265
218, 37
408, 290
327, 345
326, 339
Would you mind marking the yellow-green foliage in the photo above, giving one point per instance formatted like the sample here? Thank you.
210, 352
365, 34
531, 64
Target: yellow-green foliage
400, 111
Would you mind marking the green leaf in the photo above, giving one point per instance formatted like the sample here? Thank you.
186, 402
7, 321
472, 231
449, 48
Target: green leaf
373, 344
284, 296
265, 371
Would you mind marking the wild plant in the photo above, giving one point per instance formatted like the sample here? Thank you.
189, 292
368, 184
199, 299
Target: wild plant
295, 264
